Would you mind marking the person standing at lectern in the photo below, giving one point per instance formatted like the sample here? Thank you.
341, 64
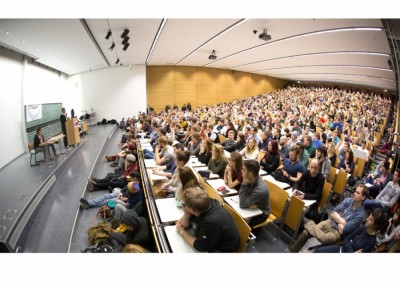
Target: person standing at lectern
63, 119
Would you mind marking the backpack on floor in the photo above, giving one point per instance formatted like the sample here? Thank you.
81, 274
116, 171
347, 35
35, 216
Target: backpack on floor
98, 232
100, 247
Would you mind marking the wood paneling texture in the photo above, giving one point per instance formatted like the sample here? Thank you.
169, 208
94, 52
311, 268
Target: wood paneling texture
206, 87
200, 86
160, 87
184, 86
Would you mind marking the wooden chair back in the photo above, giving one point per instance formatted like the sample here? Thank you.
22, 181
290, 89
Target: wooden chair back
243, 228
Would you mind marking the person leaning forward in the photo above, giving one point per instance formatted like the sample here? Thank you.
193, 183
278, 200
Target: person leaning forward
214, 228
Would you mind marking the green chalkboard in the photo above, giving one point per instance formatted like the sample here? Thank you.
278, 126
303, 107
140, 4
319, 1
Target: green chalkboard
50, 113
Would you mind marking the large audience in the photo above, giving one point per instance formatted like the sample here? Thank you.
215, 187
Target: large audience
295, 134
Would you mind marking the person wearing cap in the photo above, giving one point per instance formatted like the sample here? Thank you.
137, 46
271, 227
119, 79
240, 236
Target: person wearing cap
115, 180
136, 233
128, 196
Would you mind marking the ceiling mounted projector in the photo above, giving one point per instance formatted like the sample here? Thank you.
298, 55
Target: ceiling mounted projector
212, 56
264, 36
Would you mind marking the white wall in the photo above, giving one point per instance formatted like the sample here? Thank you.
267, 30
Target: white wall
113, 93
11, 138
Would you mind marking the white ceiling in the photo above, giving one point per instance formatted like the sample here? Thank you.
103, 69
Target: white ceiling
344, 51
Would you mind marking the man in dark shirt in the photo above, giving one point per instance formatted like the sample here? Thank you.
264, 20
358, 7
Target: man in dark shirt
230, 143
63, 119
310, 186
214, 229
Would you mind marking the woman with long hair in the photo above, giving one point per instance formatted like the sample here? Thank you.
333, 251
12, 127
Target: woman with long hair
218, 162
241, 142
251, 150
347, 162
270, 161
188, 180
383, 240
206, 146
331, 153
233, 171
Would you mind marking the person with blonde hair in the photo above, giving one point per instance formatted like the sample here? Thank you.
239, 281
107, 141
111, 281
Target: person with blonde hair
131, 248
251, 150
218, 161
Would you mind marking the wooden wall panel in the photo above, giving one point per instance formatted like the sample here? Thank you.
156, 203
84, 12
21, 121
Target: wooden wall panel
184, 85
206, 87
226, 90
201, 86
160, 86
258, 84
243, 84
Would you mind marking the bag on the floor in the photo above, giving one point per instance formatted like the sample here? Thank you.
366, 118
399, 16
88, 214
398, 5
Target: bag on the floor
100, 247
98, 232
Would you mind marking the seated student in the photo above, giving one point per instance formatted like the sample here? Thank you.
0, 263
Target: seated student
240, 142
204, 154
303, 155
118, 159
214, 228
122, 123
128, 195
292, 168
383, 240
163, 152
309, 146
394, 245
270, 161
379, 181
136, 233
169, 169
310, 186
233, 172
40, 145
363, 239
115, 180
194, 145
388, 196
181, 159
347, 163
218, 162
254, 192
345, 219
230, 143
251, 150
330, 148
324, 162
188, 180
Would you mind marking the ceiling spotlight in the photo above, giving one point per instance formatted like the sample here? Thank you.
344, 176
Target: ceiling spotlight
125, 47
126, 39
108, 34
264, 36
212, 56
112, 47
125, 33
117, 61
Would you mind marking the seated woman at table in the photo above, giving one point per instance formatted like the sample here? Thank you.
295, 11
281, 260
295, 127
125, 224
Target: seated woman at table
233, 171
188, 180
363, 239
270, 161
40, 145
204, 154
241, 142
218, 162
251, 150
347, 162
181, 159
